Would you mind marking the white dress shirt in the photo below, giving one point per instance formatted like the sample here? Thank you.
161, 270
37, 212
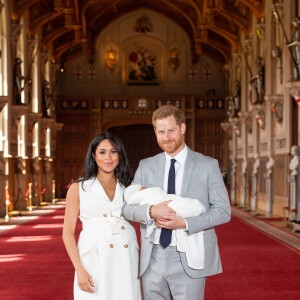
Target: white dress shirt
179, 168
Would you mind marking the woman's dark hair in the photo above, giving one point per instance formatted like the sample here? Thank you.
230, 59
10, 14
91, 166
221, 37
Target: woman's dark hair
90, 169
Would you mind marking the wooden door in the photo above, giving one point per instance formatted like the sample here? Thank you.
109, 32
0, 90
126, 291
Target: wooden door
140, 142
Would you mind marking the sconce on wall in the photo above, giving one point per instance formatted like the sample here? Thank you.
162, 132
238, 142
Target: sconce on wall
174, 61
111, 59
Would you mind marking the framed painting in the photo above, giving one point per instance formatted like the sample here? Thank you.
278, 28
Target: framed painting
142, 67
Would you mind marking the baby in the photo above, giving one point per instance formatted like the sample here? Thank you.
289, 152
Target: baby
192, 245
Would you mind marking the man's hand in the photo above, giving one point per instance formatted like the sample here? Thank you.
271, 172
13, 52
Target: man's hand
160, 210
171, 221
165, 217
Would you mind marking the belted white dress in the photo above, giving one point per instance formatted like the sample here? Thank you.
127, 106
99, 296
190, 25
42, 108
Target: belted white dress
107, 246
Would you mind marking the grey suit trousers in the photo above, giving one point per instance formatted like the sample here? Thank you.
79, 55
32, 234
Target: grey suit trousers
166, 279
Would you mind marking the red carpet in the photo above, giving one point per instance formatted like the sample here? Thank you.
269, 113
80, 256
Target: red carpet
256, 267
33, 261
34, 264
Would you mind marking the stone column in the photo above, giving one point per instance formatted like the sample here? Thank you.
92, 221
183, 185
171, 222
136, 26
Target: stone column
48, 172
269, 184
20, 185
232, 182
294, 89
244, 183
254, 179
234, 128
245, 121
36, 180
293, 198
294, 179
2, 185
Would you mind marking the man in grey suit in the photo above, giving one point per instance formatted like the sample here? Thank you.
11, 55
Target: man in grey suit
164, 270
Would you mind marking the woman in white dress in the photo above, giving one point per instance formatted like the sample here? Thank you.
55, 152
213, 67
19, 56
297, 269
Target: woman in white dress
106, 255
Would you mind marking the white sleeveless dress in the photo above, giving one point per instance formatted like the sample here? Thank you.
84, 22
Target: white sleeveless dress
107, 246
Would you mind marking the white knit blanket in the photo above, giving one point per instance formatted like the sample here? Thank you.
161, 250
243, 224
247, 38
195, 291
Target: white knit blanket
192, 245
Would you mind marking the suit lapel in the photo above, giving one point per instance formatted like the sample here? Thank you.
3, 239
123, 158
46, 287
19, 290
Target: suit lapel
188, 171
160, 170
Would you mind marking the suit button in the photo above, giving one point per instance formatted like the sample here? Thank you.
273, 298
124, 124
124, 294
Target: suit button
123, 227
105, 215
126, 246
111, 245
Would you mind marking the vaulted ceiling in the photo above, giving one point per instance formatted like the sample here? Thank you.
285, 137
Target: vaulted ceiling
71, 26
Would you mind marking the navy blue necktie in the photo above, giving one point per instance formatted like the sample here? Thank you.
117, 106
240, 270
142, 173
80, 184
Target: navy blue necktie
166, 234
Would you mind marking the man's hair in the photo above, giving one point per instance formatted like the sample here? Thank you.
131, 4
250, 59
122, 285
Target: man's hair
166, 111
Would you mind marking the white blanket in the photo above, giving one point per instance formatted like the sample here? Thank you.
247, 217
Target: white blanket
192, 244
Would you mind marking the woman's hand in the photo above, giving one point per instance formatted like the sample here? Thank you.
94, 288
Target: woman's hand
85, 281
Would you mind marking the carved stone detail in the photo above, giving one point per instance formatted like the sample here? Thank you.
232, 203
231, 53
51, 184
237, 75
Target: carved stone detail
277, 8
276, 102
246, 117
236, 125
225, 126
261, 28
46, 123
247, 46
31, 44
17, 112
294, 88
237, 59
69, 17
3, 101
259, 112
32, 119
231, 108
44, 56
16, 31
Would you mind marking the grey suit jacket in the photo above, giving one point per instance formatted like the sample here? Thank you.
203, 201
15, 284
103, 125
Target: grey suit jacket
201, 180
